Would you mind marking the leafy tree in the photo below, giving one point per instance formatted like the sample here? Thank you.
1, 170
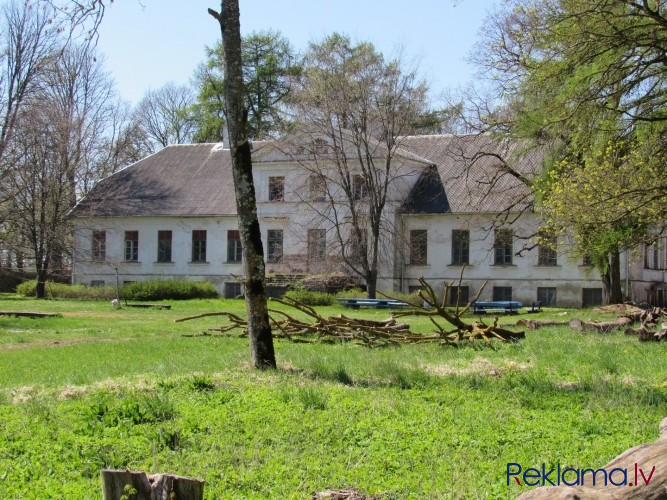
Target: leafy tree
359, 105
259, 330
587, 79
269, 64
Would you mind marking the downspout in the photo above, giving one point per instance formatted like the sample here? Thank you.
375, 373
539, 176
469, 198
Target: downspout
627, 275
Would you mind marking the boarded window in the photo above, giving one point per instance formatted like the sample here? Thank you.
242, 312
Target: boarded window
591, 297
418, 247
547, 296
164, 246
454, 296
502, 293
233, 290
460, 247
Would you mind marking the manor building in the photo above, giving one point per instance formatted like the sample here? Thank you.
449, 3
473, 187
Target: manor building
453, 209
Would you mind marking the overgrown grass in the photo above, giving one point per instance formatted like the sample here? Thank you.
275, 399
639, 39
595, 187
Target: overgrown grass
103, 388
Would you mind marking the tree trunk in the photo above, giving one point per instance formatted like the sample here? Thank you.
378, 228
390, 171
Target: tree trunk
116, 483
40, 289
259, 329
611, 279
371, 283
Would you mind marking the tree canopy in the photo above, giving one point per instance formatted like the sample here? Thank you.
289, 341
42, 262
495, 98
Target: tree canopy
588, 80
269, 63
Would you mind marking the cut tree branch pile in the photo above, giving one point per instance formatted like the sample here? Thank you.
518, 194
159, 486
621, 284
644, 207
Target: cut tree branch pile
340, 328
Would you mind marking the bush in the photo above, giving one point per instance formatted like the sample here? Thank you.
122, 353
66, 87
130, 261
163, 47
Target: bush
139, 290
311, 298
63, 291
168, 290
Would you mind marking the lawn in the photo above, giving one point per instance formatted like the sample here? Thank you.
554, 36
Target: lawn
99, 388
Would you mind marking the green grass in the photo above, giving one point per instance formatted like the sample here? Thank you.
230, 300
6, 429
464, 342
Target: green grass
99, 388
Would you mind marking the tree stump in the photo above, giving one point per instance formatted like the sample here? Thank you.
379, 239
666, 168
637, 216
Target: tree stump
652, 457
139, 486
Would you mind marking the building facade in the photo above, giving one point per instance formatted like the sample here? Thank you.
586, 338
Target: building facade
453, 210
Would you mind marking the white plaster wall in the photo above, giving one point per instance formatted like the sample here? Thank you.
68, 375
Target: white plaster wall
216, 269
524, 275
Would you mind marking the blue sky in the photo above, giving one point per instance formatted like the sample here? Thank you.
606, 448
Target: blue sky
147, 43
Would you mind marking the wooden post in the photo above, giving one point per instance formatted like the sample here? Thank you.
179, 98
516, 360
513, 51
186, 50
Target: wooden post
139, 486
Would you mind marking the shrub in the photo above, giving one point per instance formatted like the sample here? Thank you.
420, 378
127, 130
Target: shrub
138, 290
63, 291
168, 290
311, 298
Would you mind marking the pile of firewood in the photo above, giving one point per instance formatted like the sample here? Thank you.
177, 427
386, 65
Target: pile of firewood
340, 328
650, 320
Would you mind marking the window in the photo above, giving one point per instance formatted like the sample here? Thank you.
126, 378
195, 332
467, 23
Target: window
502, 293
359, 187
547, 255
547, 296
275, 243
164, 246
460, 247
99, 245
317, 244
234, 249
199, 246
418, 247
233, 290
318, 188
454, 296
654, 255
131, 246
587, 261
276, 188
503, 247
97, 283
591, 297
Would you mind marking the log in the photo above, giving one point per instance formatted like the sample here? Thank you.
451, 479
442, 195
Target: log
650, 457
533, 324
599, 326
28, 314
116, 483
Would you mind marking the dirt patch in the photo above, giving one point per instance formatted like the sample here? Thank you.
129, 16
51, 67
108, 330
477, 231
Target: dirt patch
59, 343
618, 309
478, 366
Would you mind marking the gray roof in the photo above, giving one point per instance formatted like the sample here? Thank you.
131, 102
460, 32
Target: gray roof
462, 174
474, 173
193, 179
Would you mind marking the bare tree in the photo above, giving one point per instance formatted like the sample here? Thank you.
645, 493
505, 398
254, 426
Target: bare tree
166, 115
28, 37
259, 329
355, 107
